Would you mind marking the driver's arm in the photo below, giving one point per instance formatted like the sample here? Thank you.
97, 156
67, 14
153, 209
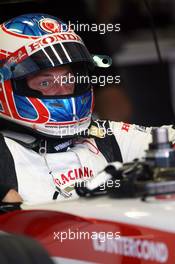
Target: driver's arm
133, 140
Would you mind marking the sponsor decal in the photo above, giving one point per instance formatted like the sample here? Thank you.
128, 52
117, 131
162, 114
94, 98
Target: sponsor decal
52, 39
126, 127
50, 25
18, 56
64, 145
73, 175
136, 248
140, 128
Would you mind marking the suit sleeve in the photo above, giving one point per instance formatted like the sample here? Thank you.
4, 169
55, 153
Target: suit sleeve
8, 177
133, 140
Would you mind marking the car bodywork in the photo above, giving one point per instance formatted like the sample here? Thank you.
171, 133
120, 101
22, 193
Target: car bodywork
100, 230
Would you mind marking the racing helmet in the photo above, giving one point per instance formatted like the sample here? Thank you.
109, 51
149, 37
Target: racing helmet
29, 44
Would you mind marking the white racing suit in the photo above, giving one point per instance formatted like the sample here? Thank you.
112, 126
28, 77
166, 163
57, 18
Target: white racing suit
36, 176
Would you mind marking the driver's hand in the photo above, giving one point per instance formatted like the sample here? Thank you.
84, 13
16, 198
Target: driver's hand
12, 197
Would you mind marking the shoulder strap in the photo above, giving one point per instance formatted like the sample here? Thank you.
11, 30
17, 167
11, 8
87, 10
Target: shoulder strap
107, 145
7, 166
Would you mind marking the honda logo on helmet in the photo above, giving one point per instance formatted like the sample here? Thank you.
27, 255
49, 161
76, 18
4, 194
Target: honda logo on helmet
50, 25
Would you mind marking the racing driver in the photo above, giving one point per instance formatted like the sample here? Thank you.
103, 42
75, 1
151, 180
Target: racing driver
48, 139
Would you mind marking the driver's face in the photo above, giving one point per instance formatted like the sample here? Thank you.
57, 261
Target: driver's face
54, 81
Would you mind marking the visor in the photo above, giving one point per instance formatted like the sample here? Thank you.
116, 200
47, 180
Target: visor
53, 56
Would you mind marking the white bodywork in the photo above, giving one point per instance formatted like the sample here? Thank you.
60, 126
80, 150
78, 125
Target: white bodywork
153, 213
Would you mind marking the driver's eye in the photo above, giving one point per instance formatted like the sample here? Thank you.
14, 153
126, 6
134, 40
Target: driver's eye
44, 84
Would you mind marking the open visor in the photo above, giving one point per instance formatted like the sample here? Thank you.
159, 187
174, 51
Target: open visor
53, 56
